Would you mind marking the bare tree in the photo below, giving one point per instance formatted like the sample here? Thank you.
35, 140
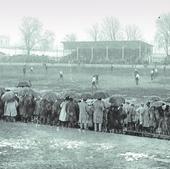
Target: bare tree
70, 37
162, 36
47, 41
132, 32
31, 32
94, 32
111, 28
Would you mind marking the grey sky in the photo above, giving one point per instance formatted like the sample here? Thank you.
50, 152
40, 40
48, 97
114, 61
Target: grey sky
76, 16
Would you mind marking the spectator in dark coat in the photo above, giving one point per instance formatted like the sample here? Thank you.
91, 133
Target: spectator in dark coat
113, 118
71, 109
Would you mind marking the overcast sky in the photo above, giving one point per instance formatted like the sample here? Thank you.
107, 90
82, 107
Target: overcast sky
76, 16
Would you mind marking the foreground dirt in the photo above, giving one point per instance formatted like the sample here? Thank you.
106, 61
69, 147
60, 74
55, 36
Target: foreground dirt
28, 146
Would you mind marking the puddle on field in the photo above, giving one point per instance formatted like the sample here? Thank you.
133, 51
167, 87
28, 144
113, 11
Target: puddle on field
24, 144
131, 156
104, 146
74, 144
66, 144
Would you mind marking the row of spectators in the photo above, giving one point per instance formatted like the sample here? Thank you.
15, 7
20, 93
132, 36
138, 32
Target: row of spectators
95, 114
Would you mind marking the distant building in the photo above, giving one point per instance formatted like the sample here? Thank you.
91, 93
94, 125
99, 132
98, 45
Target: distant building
131, 52
4, 42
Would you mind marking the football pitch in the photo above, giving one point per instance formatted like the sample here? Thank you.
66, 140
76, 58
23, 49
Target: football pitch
77, 78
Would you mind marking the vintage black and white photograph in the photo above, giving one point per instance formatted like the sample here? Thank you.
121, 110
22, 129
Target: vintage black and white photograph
84, 84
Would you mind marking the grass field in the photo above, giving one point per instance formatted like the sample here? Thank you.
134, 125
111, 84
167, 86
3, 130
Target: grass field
78, 78
27, 146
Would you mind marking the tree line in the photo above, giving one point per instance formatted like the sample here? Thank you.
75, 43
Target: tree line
110, 29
